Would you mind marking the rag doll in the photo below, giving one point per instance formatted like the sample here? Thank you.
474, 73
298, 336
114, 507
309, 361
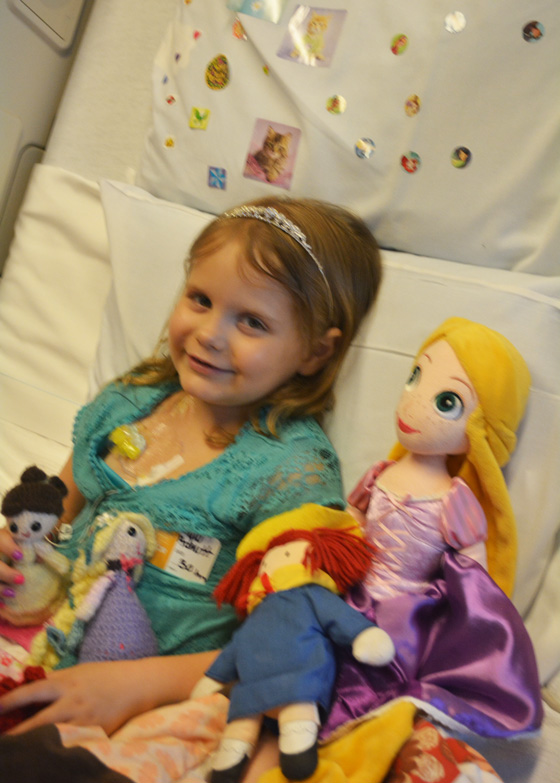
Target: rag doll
287, 581
103, 619
32, 509
439, 515
273, 155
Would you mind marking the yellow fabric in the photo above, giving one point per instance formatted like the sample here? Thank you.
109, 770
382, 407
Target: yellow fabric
364, 754
285, 578
306, 517
502, 381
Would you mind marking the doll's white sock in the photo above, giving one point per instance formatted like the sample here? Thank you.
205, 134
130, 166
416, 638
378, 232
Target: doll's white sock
231, 752
296, 736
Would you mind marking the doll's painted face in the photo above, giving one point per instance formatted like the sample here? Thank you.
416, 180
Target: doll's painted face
436, 403
129, 541
28, 527
286, 554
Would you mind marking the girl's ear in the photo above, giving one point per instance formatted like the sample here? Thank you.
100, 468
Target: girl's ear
321, 352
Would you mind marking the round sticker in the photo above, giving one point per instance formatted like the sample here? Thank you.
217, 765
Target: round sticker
399, 44
365, 148
336, 104
411, 162
455, 22
217, 72
238, 31
461, 157
533, 31
412, 105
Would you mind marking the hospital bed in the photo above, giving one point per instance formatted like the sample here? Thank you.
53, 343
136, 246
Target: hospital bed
440, 126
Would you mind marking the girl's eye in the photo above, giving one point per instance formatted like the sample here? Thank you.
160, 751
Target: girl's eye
253, 323
413, 378
199, 298
36, 526
449, 405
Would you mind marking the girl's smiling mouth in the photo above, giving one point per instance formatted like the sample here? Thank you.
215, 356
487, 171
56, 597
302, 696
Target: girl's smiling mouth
199, 365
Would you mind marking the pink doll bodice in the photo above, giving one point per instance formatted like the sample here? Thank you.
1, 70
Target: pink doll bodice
411, 534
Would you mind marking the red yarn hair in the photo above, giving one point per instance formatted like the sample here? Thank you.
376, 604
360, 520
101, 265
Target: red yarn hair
344, 556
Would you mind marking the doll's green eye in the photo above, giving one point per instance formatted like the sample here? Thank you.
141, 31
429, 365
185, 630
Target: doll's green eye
449, 405
414, 377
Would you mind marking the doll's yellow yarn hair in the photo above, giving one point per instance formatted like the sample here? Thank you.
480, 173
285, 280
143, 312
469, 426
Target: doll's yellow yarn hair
501, 380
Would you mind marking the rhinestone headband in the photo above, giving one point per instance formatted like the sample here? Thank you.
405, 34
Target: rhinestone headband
278, 220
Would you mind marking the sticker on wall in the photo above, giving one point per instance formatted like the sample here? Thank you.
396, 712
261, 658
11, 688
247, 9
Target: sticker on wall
399, 43
533, 31
217, 177
455, 22
411, 162
271, 10
199, 118
272, 153
217, 72
169, 142
312, 36
364, 148
461, 157
412, 105
336, 104
239, 31
170, 100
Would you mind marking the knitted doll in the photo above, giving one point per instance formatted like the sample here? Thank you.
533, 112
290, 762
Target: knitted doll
102, 618
287, 581
32, 509
440, 517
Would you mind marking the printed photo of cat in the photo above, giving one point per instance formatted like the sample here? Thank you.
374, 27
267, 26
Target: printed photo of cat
272, 153
312, 35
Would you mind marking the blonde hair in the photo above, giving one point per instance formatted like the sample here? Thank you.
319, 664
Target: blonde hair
351, 262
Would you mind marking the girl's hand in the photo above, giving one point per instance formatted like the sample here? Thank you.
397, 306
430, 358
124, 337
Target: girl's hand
8, 551
97, 694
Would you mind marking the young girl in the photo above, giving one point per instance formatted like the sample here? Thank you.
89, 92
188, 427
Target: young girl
439, 514
215, 433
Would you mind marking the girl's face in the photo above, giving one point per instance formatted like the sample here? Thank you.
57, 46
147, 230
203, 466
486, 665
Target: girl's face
436, 403
233, 335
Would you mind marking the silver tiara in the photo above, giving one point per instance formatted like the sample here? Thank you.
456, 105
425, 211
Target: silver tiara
277, 219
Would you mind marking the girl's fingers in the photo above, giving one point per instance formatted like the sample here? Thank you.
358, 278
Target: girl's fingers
39, 692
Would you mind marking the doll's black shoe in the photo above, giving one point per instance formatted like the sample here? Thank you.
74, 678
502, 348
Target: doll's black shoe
230, 761
231, 774
299, 766
298, 749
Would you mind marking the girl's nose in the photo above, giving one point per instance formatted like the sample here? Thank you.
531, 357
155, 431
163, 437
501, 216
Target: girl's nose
211, 335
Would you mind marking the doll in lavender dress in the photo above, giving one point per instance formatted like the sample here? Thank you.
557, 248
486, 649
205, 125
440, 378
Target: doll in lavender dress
439, 515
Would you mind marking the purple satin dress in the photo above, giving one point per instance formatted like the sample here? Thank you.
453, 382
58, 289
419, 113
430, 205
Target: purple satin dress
463, 653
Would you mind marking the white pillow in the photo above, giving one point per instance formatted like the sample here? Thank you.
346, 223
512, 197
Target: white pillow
149, 241
51, 297
483, 87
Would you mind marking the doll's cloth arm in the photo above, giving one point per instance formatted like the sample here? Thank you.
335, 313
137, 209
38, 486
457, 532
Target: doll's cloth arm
56, 560
464, 523
340, 622
360, 495
95, 596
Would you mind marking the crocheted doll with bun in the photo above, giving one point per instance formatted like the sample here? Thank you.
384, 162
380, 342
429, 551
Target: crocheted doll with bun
32, 509
287, 582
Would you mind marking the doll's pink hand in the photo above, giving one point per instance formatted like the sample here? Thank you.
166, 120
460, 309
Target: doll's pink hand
373, 646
